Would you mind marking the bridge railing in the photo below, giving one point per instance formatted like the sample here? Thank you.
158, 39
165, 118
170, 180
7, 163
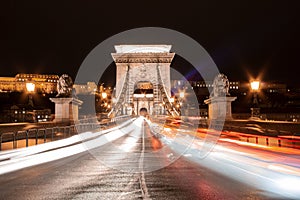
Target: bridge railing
291, 141
35, 136
262, 136
25, 138
266, 137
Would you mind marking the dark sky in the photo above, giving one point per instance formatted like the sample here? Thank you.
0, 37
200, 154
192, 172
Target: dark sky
255, 37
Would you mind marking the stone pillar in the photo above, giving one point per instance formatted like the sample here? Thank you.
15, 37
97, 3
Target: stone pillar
219, 107
66, 109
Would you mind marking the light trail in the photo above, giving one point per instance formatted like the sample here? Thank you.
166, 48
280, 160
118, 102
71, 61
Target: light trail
273, 171
265, 168
43, 153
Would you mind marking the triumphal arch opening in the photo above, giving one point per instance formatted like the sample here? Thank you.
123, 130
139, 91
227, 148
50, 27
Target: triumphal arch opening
143, 80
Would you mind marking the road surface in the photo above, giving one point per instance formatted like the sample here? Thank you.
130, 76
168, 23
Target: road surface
123, 175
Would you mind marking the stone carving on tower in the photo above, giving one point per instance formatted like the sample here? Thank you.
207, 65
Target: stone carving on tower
220, 86
66, 102
219, 103
64, 86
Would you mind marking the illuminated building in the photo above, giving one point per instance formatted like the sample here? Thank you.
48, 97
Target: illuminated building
277, 101
17, 101
22, 114
88, 88
44, 83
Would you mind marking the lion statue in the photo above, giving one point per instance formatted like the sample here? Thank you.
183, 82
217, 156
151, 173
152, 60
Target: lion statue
220, 86
64, 86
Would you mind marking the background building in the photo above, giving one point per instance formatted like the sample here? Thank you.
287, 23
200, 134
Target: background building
88, 88
23, 114
276, 100
44, 83
18, 104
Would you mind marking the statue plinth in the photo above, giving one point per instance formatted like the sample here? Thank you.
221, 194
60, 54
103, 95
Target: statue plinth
219, 107
66, 109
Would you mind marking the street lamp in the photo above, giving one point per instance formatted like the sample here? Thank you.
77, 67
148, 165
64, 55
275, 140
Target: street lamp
255, 85
30, 89
104, 95
255, 110
180, 99
103, 101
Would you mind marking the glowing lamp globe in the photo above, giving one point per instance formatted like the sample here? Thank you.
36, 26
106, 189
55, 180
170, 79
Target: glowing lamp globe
30, 87
255, 85
104, 95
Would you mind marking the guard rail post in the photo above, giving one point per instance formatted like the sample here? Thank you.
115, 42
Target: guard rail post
0, 141
27, 136
14, 140
279, 142
45, 137
36, 136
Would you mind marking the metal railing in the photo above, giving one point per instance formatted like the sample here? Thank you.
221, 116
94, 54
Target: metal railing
35, 136
25, 138
262, 136
267, 137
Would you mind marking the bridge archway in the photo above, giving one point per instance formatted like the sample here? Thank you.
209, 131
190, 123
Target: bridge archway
143, 96
148, 66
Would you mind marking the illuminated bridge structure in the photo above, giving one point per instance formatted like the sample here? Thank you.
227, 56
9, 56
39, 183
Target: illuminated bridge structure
139, 158
143, 80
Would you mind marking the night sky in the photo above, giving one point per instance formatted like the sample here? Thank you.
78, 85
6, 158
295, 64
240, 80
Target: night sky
244, 38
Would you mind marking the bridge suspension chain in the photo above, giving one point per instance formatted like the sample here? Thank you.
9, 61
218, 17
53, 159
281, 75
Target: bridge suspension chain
121, 97
165, 97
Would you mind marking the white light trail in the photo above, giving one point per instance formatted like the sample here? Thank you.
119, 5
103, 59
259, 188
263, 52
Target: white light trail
51, 151
260, 168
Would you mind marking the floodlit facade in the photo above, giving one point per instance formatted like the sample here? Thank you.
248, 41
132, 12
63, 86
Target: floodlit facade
44, 83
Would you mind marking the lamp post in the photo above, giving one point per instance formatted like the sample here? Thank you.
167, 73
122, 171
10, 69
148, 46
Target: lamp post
30, 89
181, 98
255, 110
103, 101
104, 95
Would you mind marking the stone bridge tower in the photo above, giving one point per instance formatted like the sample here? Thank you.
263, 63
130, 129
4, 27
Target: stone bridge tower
143, 79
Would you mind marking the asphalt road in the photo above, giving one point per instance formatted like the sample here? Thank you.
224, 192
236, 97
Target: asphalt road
110, 172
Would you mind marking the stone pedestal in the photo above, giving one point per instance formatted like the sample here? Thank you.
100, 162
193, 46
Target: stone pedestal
66, 109
219, 107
